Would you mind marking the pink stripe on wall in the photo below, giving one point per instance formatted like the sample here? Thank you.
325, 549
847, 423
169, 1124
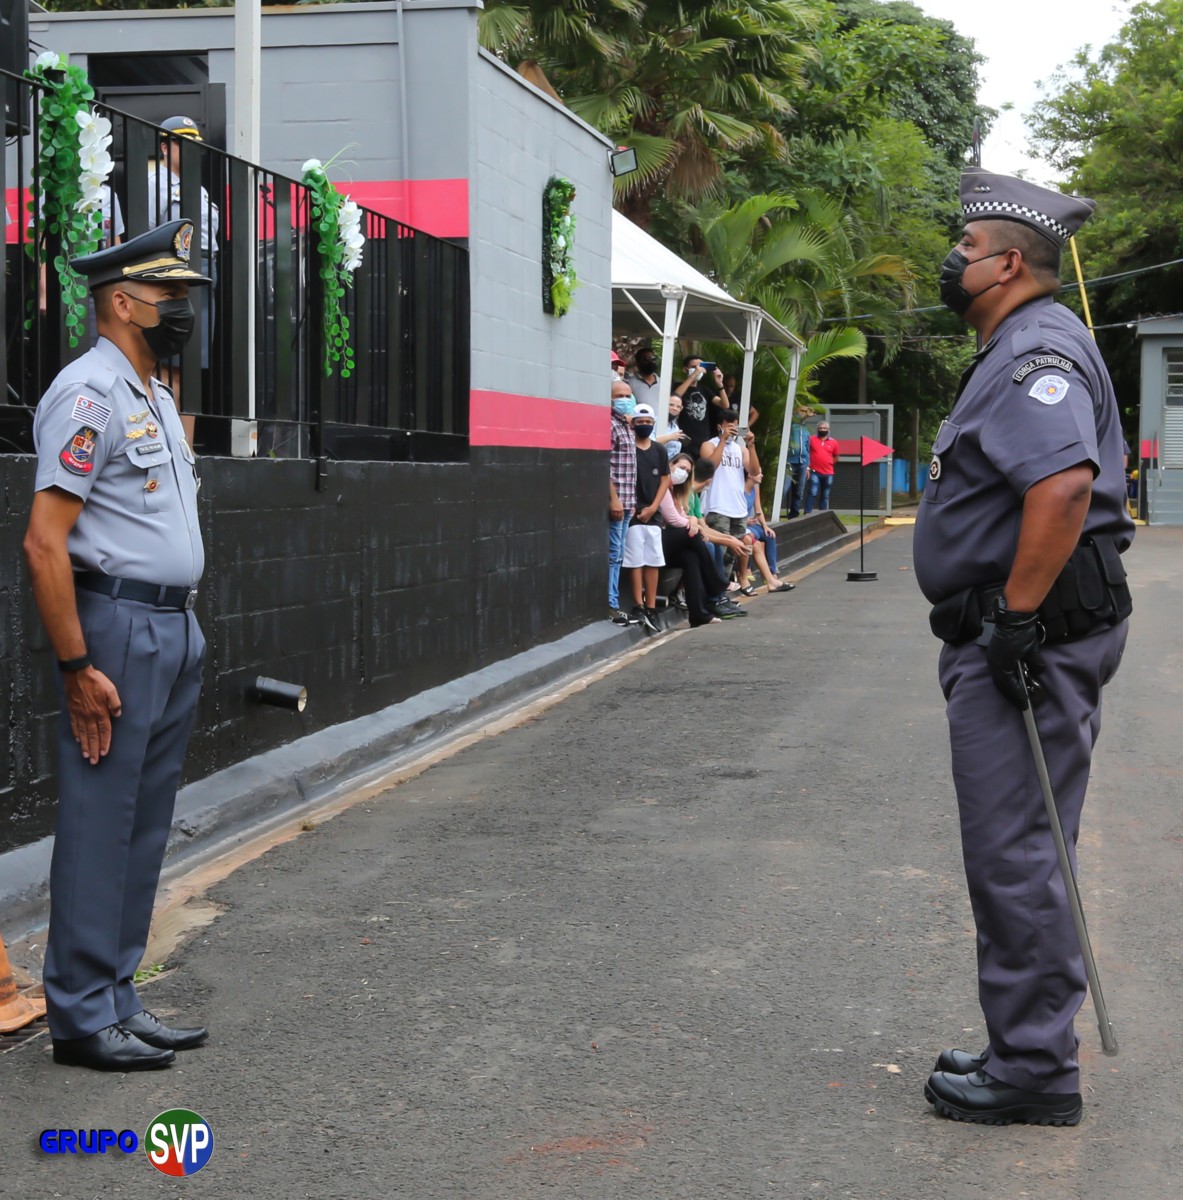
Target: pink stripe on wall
502, 419
437, 206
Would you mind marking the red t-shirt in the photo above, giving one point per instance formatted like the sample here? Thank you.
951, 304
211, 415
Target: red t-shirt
822, 455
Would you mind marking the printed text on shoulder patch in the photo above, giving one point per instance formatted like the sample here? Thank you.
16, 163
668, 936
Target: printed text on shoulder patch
1039, 363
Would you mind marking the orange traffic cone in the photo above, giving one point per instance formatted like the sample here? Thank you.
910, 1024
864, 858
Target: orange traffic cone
16, 1010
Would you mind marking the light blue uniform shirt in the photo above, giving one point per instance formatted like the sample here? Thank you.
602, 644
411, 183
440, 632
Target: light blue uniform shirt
101, 438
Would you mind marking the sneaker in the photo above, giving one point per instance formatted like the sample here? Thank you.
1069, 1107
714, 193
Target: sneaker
638, 616
651, 614
727, 610
619, 617
678, 600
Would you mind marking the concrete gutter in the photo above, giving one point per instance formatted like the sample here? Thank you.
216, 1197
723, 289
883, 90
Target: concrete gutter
225, 807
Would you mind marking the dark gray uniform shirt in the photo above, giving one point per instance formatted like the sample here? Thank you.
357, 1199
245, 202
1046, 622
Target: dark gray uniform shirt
1036, 401
100, 437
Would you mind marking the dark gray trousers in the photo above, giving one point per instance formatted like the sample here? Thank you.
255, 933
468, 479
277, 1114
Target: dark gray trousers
114, 818
1031, 979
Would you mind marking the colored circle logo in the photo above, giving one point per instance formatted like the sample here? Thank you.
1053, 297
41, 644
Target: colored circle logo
179, 1142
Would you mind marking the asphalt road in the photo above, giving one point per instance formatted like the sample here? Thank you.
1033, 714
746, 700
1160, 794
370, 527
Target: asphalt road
697, 931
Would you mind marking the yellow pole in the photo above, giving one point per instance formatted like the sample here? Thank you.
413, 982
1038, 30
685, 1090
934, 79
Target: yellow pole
1084, 299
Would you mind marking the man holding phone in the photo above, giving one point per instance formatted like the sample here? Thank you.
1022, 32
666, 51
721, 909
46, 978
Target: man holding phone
702, 402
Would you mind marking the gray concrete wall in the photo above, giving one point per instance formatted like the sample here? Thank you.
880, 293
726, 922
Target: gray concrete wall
331, 76
520, 138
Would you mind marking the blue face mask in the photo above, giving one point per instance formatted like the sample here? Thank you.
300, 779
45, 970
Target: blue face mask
623, 407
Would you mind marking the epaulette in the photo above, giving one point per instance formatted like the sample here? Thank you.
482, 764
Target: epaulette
96, 375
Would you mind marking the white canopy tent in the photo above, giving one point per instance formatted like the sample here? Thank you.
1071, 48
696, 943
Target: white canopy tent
654, 291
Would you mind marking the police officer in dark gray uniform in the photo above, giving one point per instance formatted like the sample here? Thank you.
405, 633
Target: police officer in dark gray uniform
115, 554
1017, 546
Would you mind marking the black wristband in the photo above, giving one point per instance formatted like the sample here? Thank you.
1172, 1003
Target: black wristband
74, 664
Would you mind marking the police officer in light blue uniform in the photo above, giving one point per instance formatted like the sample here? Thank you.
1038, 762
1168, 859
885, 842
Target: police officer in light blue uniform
115, 555
1018, 547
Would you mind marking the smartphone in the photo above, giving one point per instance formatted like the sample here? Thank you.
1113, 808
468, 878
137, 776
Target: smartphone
708, 367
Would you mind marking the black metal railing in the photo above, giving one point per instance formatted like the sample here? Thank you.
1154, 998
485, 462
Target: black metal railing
407, 397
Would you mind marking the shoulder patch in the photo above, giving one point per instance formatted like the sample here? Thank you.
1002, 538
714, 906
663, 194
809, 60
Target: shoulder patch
77, 455
94, 413
1042, 362
1049, 389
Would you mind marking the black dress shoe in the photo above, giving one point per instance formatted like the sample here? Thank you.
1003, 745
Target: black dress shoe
149, 1028
111, 1049
959, 1062
985, 1101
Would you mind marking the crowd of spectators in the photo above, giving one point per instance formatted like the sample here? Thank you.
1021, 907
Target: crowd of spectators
685, 519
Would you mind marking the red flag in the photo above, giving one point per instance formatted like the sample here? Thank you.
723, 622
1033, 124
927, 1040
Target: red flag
872, 451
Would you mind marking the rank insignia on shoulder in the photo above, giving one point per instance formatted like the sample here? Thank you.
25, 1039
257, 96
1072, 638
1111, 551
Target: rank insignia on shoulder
77, 455
1049, 389
136, 418
95, 413
1042, 362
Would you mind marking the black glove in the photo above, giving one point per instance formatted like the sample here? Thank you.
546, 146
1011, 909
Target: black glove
1013, 655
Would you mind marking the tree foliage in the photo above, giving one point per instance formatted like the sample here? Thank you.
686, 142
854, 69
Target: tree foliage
1114, 124
683, 83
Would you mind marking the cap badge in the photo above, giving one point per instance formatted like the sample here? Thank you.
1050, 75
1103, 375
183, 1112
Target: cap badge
182, 241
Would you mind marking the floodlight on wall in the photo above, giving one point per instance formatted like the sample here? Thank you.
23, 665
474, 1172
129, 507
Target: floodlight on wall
282, 695
622, 161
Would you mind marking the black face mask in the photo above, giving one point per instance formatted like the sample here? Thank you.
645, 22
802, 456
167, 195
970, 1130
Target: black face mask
642, 431
953, 294
172, 334
647, 366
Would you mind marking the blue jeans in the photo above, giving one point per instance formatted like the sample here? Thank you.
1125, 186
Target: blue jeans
757, 532
819, 492
794, 489
616, 532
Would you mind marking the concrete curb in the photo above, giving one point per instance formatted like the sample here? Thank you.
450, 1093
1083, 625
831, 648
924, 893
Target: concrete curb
212, 812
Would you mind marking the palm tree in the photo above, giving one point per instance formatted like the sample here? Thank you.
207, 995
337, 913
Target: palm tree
681, 82
799, 258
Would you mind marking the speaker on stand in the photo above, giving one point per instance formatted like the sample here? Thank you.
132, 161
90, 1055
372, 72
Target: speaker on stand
14, 57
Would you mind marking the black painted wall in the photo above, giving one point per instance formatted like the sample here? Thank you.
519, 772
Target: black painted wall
393, 579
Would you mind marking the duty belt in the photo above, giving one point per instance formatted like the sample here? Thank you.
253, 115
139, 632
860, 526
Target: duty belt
1090, 593
179, 598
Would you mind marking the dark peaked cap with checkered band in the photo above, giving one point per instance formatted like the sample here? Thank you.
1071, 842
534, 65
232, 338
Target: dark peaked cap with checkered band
986, 197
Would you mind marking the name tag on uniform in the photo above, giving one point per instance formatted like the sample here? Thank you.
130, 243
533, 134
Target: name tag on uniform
149, 448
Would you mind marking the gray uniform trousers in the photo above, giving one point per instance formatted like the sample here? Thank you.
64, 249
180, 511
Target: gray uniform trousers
114, 818
1031, 979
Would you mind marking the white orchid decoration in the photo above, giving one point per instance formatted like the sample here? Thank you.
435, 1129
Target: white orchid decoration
349, 234
349, 231
94, 158
336, 223
49, 60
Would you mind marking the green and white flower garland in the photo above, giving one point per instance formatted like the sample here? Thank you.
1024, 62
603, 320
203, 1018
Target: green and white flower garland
73, 166
336, 220
558, 243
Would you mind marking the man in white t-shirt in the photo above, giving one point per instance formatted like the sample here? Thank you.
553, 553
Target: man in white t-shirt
726, 502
